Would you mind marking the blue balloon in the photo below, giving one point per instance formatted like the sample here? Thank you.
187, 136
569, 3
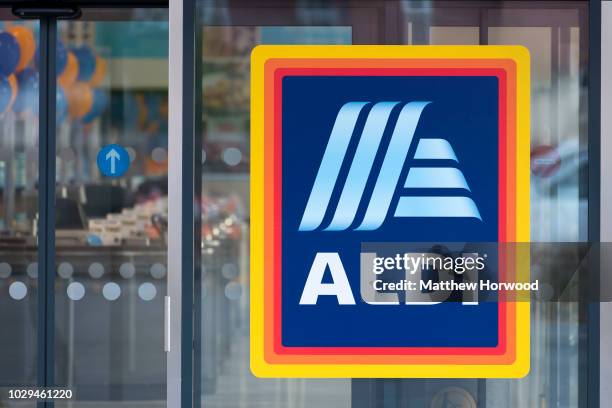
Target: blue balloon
61, 109
100, 100
27, 94
61, 57
5, 93
87, 62
153, 103
9, 53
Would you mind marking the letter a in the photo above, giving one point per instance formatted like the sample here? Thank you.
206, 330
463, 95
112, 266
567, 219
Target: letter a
315, 287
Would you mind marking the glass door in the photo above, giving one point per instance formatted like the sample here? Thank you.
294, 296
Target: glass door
556, 34
19, 173
111, 229
95, 226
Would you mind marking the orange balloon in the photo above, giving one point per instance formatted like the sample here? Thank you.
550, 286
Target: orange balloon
27, 44
12, 80
70, 73
99, 73
80, 99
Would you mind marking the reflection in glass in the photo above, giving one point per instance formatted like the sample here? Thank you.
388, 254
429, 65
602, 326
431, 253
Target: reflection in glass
556, 38
18, 203
111, 231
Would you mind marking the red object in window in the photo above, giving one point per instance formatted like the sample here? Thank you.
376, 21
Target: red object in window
545, 161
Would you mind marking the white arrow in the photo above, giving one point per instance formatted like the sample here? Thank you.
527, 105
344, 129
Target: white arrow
113, 155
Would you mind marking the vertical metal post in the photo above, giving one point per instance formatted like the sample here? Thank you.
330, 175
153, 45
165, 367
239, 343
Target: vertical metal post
594, 219
189, 202
182, 212
605, 308
197, 191
46, 204
175, 192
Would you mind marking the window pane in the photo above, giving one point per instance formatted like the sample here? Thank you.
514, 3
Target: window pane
18, 202
111, 227
555, 34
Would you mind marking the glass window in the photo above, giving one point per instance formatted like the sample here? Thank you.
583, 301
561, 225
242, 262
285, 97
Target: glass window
554, 32
18, 202
111, 245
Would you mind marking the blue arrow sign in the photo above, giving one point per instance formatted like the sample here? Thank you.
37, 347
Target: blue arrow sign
113, 160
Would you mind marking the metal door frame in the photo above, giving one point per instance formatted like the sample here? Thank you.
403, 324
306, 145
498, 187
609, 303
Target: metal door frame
183, 209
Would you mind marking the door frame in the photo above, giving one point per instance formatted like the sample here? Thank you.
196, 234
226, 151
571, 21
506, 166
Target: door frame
183, 210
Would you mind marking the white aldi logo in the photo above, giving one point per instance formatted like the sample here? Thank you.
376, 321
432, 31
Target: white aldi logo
442, 177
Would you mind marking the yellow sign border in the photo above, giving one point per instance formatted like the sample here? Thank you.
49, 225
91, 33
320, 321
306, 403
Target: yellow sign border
259, 366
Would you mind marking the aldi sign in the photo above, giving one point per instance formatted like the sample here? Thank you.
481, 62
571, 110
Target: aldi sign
375, 171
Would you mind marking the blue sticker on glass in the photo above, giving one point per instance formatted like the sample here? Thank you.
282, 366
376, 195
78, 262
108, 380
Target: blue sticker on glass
113, 160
